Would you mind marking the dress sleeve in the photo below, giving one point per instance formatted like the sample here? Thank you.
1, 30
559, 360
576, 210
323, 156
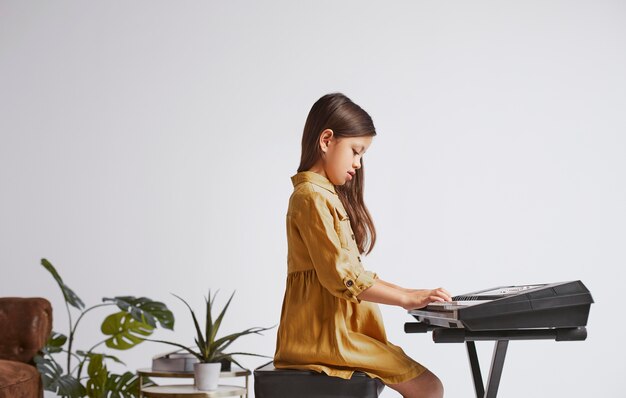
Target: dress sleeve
336, 267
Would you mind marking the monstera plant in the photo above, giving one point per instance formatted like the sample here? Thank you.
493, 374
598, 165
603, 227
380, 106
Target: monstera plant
133, 321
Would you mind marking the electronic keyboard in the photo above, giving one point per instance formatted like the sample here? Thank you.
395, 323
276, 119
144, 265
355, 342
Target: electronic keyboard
547, 311
553, 305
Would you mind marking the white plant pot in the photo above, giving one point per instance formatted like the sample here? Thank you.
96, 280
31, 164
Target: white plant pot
207, 375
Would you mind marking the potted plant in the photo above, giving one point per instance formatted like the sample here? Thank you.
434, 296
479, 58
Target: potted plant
210, 348
135, 318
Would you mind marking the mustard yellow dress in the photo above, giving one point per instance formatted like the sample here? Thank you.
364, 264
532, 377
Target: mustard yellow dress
323, 325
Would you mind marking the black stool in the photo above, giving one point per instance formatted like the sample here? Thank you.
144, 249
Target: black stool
270, 382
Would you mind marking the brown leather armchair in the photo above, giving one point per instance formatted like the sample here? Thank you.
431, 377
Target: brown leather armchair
25, 324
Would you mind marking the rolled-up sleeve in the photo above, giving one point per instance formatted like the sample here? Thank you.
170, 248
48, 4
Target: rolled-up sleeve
337, 268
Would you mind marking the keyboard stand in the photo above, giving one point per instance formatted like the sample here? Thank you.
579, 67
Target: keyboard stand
501, 338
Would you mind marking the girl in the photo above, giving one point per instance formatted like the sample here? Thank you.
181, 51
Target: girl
330, 321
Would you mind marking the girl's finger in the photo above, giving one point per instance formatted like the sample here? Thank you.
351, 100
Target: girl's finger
443, 294
435, 298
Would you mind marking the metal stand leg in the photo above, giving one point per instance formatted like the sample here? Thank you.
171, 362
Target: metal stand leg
497, 363
475, 365
495, 373
442, 334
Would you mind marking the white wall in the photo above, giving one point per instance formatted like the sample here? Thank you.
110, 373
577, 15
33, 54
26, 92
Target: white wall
146, 148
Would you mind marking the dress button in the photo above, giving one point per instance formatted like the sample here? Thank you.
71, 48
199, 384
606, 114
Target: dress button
349, 283
359, 257
352, 236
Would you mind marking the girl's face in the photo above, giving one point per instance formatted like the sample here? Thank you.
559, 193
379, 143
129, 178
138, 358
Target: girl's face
342, 156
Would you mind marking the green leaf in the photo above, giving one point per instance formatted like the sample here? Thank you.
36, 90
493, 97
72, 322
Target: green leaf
189, 350
222, 343
125, 331
202, 345
144, 309
229, 357
244, 353
70, 297
98, 375
125, 385
54, 380
90, 355
204, 352
208, 327
238, 364
54, 343
233, 361
48, 368
218, 321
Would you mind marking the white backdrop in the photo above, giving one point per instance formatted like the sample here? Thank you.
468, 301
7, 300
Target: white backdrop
146, 148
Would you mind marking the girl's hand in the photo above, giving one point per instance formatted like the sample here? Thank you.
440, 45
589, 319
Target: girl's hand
422, 297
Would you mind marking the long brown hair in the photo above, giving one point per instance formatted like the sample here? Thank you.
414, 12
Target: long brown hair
337, 112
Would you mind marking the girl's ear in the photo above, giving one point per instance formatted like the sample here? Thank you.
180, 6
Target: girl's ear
325, 138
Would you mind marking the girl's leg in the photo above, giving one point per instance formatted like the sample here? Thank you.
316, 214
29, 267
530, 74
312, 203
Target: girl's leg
426, 385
